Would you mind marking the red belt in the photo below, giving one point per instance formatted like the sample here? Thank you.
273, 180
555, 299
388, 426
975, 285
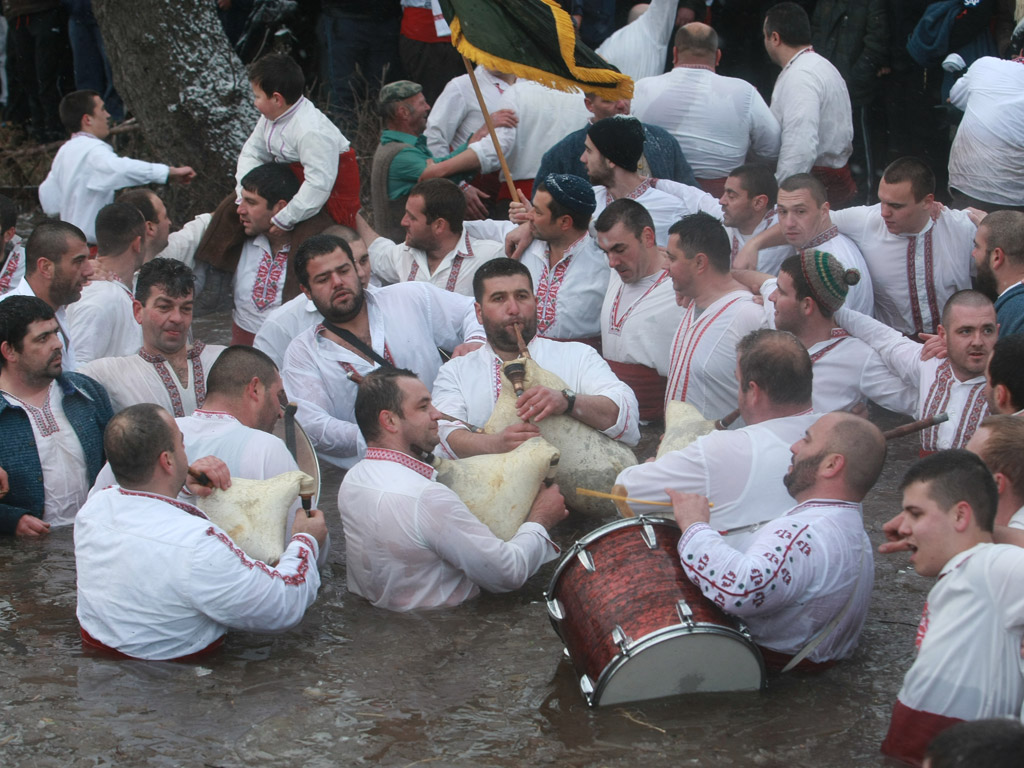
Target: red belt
646, 384
524, 185
91, 642
839, 184
911, 731
343, 203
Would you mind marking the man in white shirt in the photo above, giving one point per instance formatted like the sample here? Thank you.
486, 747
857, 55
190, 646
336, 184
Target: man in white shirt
639, 48
803, 300
955, 385
57, 268
296, 315
718, 121
702, 364
455, 115
569, 271
741, 470
999, 442
437, 248
803, 214
410, 542
167, 369
986, 169
467, 388
102, 321
917, 259
967, 665
803, 584
612, 150
398, 325
640, 312
51, 423
86, 172
812, 105
748, 208
156, 579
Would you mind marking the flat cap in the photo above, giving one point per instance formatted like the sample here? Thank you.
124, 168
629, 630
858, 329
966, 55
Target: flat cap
399, 90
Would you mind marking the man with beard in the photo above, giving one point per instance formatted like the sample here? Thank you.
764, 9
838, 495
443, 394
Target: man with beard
52, 422
57, 268
401, 325
410, 543
741, 469
569, 270
436, 248
999, 254
802, 586
803, 300
167, 369
467, 388
955, 385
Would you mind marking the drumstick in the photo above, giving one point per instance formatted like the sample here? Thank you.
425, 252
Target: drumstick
623, 497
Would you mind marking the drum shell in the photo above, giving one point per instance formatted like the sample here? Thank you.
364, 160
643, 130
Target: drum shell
621, 622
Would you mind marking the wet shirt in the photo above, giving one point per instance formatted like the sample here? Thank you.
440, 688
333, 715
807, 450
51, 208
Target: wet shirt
411, 543
397, 263
102, 322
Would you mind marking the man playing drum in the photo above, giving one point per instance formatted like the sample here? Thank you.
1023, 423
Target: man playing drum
803, 585
409, 541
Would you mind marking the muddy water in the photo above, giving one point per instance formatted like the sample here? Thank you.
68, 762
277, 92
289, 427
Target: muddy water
481, 685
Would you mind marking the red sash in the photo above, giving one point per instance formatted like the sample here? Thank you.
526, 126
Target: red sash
418, 24
714, 187
776, 661
839, 184
911, 731
523, 185
91, 642
343, 203
241, 336
646, 384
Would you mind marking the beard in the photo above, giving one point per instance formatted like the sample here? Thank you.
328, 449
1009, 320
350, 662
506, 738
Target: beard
503, 337
601, 177
340, 315
64, 290
803, 474
985, 281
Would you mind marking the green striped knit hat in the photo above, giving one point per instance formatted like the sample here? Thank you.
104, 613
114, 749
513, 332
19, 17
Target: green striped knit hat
828, 280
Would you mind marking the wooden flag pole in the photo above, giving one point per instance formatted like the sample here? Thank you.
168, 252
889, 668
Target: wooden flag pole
490, 129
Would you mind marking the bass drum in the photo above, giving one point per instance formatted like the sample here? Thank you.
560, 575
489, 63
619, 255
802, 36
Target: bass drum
305, 456
636, 628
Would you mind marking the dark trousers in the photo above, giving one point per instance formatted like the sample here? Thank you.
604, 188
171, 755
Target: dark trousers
431, 65
41, 44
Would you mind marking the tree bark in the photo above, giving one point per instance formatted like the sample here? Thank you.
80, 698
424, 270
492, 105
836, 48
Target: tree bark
177, 73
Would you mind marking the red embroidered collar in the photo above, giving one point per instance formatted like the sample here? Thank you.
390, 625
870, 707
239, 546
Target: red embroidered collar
194, 511
386, 454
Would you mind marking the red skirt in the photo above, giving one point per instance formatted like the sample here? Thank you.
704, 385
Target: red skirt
646, 384
343, 203
839, 184
911, 731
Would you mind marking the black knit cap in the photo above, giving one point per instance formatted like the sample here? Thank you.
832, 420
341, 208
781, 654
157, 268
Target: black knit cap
620, 139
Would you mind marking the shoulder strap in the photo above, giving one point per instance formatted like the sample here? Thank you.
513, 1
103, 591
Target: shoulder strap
356, 342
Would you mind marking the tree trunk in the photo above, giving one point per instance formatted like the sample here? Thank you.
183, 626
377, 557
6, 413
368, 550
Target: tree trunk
177, 73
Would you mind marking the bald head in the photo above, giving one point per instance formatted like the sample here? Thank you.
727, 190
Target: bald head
696, 41
861, 443
966, 298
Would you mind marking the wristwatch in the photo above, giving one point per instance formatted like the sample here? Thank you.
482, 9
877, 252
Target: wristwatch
570, 396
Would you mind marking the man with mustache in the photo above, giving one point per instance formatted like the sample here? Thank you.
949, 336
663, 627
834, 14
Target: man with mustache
467, 388
401, 325
999, 254
803, 585
57, 268
52, 422
168, 369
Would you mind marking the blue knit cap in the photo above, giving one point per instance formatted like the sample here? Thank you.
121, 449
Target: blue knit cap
571, 192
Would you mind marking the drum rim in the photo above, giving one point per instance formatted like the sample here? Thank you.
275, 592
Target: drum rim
670, 633
593, 536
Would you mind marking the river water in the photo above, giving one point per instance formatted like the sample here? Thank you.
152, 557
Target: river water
484, 684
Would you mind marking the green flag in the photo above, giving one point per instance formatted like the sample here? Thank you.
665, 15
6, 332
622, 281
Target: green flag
534, 39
